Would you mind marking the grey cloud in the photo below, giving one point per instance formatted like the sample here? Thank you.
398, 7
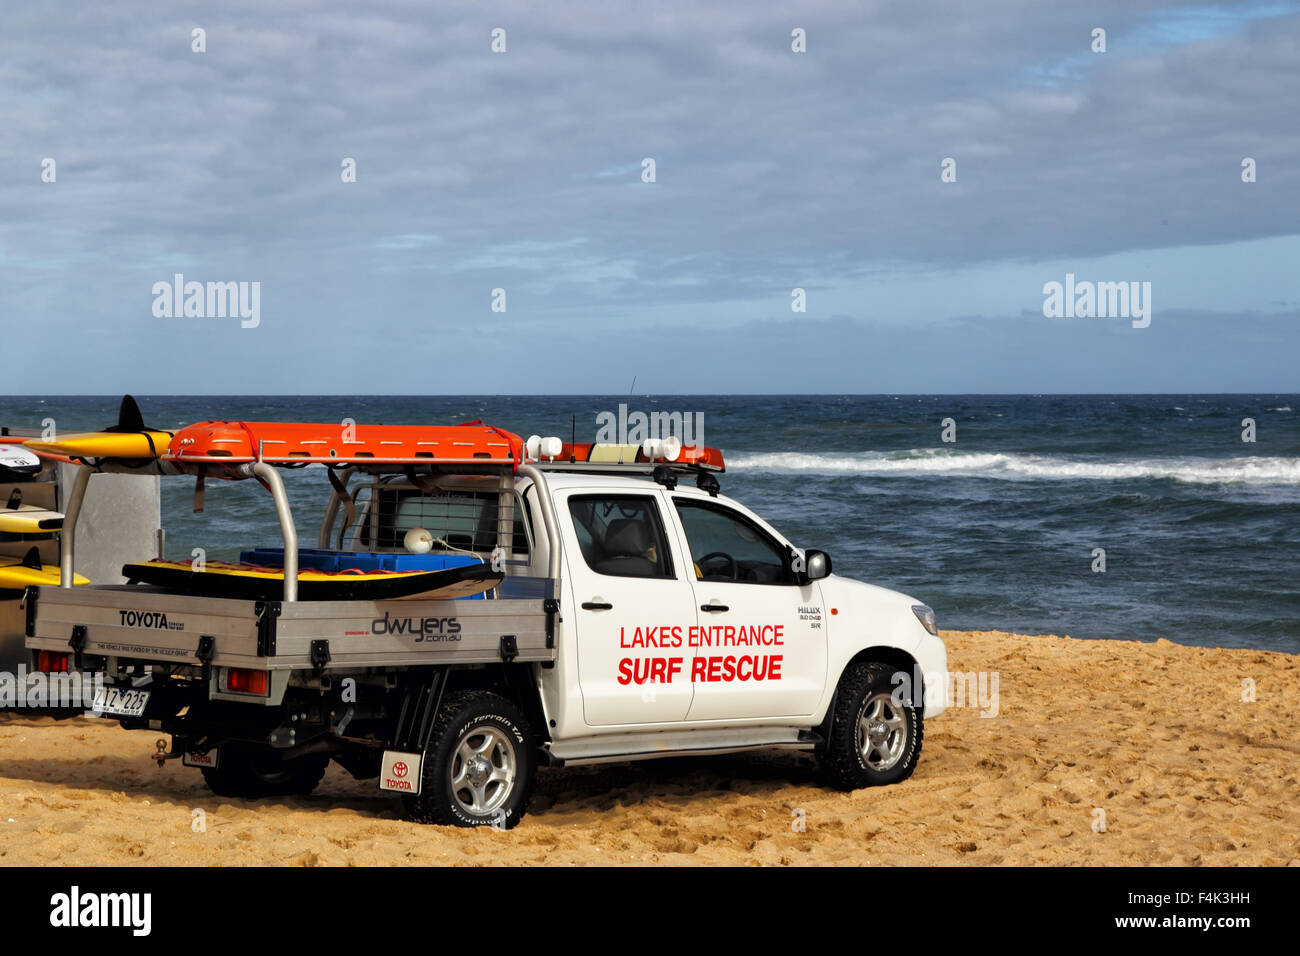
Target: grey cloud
770, 164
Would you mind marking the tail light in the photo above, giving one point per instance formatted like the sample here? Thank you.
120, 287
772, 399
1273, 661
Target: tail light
241, 680
51, 662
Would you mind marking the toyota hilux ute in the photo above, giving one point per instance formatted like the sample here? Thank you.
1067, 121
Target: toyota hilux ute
637, 613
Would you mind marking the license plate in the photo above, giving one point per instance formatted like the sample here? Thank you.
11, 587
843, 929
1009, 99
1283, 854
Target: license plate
120, 701
201, 758
400, 772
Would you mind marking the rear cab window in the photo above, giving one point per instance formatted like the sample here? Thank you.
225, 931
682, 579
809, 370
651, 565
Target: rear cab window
458, 520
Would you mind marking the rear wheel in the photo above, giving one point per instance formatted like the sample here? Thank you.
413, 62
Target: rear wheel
245, 770
875, 736
480, 767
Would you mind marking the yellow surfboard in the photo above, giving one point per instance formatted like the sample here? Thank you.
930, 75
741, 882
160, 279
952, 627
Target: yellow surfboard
28, 519
15, 574
142, 444
129, 438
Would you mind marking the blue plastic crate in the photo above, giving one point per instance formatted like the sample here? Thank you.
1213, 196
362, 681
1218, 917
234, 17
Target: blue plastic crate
425, 562
318, 559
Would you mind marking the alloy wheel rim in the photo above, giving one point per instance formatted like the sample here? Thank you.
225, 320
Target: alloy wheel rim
882, 732
483, 770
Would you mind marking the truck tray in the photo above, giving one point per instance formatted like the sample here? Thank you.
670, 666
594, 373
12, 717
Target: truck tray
153, 625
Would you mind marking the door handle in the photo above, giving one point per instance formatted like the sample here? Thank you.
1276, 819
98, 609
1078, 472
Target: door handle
597, 606
714, 607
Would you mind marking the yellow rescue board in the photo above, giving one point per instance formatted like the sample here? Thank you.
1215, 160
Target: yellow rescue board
251, 582
262, 573
28, 519
145, 444
14, 574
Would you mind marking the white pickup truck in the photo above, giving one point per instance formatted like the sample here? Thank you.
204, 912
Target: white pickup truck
639, 617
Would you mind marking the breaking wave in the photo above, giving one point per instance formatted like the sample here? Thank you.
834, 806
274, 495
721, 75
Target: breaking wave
1252, 471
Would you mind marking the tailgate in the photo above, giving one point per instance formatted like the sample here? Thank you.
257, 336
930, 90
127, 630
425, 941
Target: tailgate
142, 624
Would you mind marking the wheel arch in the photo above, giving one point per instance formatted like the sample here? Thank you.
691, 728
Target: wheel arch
514, 681
877, 653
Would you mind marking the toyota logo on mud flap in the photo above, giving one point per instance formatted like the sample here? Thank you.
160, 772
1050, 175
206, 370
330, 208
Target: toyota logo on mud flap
399, 769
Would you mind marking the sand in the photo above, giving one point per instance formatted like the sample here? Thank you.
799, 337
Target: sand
1156, 736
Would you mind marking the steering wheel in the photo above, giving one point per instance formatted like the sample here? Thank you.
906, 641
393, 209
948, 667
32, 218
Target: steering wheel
735, 568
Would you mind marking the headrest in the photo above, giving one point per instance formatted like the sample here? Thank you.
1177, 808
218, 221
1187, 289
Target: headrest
626, 538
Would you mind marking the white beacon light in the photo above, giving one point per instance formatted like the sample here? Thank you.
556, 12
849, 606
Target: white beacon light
418, 541
667, 448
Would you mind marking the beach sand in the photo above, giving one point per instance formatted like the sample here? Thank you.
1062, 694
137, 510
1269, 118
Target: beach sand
1155, 735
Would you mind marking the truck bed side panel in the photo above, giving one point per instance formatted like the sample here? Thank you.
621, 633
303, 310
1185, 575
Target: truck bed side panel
149, 625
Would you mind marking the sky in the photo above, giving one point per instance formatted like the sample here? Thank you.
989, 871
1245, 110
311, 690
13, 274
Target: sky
523, 170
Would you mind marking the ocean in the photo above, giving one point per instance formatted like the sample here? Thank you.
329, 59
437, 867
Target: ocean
1004, 527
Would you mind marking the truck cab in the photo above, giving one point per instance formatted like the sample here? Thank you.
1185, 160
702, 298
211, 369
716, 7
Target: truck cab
690, 624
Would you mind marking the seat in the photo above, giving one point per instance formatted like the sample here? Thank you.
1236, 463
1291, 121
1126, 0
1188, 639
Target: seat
625, 545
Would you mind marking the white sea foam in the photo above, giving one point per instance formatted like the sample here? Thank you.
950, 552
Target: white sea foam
1252, 471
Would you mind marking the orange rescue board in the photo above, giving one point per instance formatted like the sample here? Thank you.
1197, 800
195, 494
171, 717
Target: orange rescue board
278, 442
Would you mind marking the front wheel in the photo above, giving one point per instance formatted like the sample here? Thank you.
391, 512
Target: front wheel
480, 766
875, 735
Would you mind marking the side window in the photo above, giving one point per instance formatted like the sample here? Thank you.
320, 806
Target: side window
621, 535
726, 546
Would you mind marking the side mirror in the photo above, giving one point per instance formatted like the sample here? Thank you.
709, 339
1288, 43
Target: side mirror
811, 566
816, 565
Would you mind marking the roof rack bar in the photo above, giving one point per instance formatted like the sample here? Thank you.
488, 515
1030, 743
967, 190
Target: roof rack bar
71, 512
272, 478
546, 505
625, 468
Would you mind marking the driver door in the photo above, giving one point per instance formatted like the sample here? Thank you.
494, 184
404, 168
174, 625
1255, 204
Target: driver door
760, 646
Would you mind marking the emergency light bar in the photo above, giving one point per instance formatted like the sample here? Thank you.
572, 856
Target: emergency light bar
646, 458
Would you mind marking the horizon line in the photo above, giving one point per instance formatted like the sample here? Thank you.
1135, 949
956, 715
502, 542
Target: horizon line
54, 395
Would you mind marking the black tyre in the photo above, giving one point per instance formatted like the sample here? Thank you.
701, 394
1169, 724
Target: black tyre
244, 770
875, 735
480, 766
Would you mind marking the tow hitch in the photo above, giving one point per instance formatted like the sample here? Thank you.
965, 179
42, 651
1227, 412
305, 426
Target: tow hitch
160, 753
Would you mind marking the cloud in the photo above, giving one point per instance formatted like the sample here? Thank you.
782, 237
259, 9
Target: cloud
522, 170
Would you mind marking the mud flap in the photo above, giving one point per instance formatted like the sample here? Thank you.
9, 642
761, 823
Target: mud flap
400, 770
